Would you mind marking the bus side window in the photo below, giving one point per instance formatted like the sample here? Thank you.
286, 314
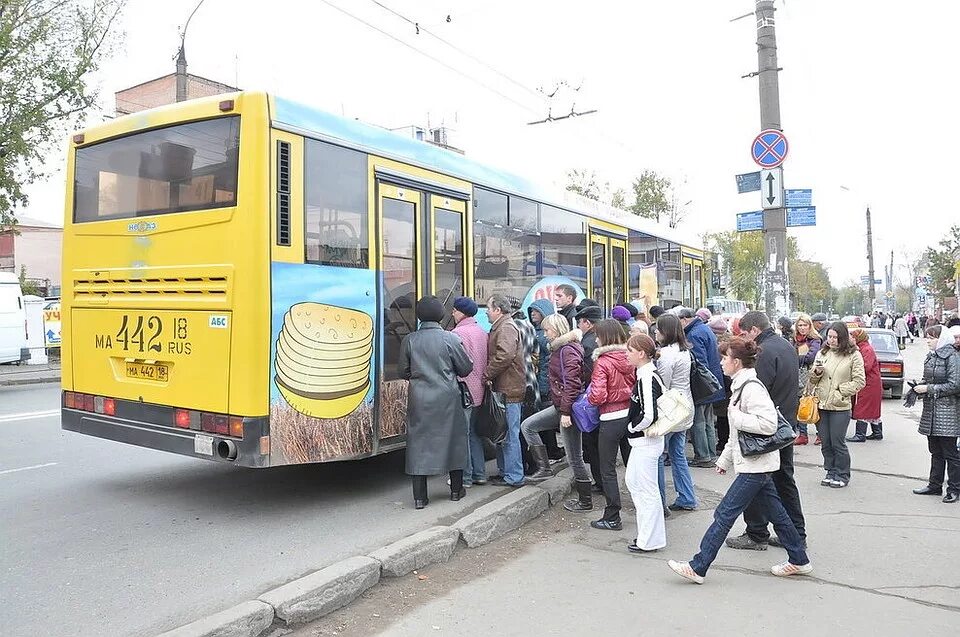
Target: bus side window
335, 185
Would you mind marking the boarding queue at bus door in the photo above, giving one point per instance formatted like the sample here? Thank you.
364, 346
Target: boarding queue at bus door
432, 359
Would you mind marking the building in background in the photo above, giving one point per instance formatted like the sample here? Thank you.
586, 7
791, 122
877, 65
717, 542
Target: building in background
33, 246
163, 90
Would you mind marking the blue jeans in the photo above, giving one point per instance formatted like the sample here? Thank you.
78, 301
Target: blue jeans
509, 460
704, 433
476, 467
747, 488
682, 480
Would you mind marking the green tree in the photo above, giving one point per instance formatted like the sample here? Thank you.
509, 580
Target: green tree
584, 182
619, 199
28, 287
742, 256
652, 195
48, 50
851, 299
942, 263
810, 287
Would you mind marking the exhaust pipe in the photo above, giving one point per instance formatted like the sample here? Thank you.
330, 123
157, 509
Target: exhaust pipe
227, 449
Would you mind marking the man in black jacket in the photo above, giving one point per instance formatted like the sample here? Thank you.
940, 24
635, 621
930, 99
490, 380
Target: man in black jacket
777, 368
565, 297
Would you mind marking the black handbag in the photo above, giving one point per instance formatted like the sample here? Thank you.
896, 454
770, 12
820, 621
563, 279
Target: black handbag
752, 444
492, 419
466, 400
703, 384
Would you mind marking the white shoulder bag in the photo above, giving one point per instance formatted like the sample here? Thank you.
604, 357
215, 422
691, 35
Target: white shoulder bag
673, 412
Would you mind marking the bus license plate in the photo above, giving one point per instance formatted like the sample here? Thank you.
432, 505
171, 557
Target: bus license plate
148, 371
203, 445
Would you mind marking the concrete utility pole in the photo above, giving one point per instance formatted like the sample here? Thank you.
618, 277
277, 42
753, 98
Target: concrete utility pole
891, 302
873, 287
776, 284
182, 58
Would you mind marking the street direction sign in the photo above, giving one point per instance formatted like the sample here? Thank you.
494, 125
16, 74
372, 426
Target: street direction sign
798, 197
772, 189
748, 182
747, 221
865, 280
769, 148
801, 217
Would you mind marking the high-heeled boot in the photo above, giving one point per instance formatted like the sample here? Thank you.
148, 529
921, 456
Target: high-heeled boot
540, 457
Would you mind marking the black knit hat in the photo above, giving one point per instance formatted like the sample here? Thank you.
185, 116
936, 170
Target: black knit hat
429, 308
592, 313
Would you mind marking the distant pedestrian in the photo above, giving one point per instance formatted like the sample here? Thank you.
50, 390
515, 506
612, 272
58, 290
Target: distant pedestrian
940, 419
475, 343
641, 470
838, 375
751, 410
611, 385
807, 342
900, 329
432, 359
866, 405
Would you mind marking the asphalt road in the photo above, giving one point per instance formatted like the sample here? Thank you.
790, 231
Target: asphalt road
102, 538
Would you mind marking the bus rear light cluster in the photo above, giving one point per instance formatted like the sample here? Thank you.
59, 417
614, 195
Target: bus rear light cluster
88, 402
211, 423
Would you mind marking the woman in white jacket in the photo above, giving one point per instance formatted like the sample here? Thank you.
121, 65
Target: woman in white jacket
751, 410
673, 364
645, 450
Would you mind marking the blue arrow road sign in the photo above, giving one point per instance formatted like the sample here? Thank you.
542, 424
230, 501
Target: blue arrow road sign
798, 198
747, 221
801, 216
748, 182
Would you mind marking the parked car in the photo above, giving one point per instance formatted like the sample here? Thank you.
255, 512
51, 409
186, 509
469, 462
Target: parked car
853, 321
13, 320
885, 344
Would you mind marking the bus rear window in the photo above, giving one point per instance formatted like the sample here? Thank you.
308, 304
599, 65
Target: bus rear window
174, 169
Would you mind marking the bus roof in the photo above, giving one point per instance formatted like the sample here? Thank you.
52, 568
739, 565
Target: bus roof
302, 119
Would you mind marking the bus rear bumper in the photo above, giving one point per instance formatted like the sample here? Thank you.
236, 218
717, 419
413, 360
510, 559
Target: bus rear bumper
183, 442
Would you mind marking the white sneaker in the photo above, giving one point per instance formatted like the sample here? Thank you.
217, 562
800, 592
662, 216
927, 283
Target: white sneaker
786, 569
683, 570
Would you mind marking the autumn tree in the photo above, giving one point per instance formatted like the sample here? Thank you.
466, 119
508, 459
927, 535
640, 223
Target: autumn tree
48, 51
584, 182
652, 195
942, 264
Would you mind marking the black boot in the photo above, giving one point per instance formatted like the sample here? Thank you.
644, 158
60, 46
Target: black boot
456, 485
584, 499
539, 455
420, 492
860, 435
876, 431
554, 452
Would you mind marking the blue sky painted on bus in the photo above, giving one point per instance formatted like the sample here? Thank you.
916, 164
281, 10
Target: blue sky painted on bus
295, 283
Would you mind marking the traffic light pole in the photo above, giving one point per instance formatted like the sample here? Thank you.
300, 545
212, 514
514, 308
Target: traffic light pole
776, 288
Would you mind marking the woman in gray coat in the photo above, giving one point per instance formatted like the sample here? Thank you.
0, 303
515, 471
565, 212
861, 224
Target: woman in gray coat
432, 359
940, 389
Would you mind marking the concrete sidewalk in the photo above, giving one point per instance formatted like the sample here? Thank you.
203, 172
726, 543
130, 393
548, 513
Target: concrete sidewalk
885, 563
29, 374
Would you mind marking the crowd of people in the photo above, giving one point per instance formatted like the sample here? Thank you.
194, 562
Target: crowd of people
607, 384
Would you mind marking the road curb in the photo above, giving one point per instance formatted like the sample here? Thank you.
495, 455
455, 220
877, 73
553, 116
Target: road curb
503, 515
249, 619
15, 382
322, 592
416, 551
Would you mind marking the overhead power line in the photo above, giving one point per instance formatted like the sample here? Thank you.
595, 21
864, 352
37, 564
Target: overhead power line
431, 57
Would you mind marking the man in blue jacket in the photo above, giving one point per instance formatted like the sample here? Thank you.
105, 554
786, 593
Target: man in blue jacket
703, 344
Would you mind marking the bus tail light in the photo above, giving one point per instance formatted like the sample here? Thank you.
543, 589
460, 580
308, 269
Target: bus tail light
236, 426
88, 403
215, 424
103, 405
181, 418
69, 400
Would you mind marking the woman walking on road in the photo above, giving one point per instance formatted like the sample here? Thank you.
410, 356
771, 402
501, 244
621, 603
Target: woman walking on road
751, 410
611, 385
641, 475
866, 406
940, 419
807, 341
674, 366
900, 329
432, 359
838, 375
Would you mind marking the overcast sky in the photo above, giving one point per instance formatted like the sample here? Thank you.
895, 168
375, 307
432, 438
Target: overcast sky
866, 96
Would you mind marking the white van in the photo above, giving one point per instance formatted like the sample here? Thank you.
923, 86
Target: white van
13, 320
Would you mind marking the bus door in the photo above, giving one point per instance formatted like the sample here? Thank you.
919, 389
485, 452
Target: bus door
608, 270
422, 251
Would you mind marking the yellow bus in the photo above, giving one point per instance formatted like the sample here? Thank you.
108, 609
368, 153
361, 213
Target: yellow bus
239, 272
